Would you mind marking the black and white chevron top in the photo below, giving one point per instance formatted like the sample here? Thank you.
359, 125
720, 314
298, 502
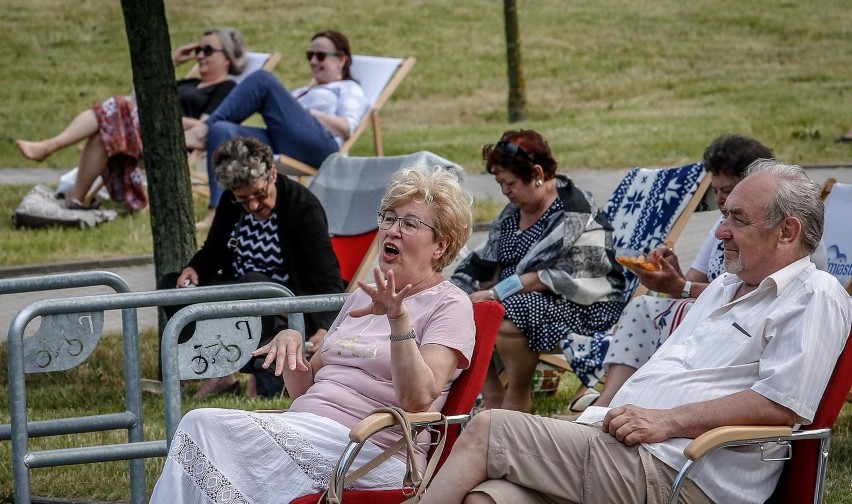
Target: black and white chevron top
257, 248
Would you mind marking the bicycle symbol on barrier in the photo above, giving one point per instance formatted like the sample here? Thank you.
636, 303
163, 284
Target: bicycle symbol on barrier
44, 356
200, 362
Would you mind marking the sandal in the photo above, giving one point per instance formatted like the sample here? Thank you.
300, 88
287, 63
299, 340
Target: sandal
75, 204
580, 404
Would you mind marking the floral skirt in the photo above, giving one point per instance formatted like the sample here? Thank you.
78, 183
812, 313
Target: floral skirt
118, 124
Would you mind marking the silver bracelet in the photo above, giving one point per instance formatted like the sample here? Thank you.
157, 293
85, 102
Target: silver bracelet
410, 334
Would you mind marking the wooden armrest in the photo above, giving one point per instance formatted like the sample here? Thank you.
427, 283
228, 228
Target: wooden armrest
290, 166
555, 360
714, 437
378, 421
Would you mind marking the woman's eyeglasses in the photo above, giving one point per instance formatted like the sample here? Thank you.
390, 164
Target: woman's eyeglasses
260, 195
408, 225
514, 150
206, 50
320, 55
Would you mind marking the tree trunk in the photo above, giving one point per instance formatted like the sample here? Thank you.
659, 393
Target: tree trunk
517, 86
169, 191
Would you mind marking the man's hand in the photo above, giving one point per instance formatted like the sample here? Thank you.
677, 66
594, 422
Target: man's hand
632, 424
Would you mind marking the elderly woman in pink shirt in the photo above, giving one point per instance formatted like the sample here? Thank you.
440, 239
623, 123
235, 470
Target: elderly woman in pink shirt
400, 341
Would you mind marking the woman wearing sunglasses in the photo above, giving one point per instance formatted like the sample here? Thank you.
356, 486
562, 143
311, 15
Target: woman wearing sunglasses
549, 259
111, 128
308, 124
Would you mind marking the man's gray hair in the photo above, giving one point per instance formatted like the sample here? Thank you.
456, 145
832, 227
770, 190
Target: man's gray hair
796, 195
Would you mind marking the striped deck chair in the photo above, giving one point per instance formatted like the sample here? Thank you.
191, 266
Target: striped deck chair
350, 190
650, 206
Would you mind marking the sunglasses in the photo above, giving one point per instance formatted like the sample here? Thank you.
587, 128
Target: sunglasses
514, 150
320, 55
206, 50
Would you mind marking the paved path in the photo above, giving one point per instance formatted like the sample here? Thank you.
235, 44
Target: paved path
138, 272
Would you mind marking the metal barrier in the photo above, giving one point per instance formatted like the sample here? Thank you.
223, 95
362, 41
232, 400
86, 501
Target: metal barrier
65, 339
176, 360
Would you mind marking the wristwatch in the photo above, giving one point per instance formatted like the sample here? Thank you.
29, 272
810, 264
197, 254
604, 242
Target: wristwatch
687, 287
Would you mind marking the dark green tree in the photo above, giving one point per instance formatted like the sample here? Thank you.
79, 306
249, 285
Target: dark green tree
169, 191
517, 85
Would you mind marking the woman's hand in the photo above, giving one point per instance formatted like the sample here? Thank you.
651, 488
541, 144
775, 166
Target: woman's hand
184, 53
483, 295
286, 346
386, 301
187, 278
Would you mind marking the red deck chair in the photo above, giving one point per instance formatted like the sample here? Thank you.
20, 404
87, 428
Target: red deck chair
487, 315
803, 477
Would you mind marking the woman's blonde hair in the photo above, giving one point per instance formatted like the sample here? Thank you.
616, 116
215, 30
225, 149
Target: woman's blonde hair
451, 205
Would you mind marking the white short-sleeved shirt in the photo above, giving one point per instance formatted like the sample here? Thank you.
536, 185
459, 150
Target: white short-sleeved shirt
343, 98
780, 340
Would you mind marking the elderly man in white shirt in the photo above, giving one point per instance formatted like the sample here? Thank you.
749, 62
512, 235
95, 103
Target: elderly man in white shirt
758, 347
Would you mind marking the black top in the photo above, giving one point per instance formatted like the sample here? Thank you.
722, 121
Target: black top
195, 101
305, 246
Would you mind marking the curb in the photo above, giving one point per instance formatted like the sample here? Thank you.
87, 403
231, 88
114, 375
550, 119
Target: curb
83, 265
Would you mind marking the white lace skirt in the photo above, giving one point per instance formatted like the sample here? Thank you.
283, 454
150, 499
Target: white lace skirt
234, 456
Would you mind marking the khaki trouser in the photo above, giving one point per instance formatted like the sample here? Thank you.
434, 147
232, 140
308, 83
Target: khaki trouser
542, 460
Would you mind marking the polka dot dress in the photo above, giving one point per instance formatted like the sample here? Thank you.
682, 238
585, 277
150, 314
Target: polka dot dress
546, 318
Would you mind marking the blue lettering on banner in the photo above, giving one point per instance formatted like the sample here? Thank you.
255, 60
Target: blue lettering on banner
839, 269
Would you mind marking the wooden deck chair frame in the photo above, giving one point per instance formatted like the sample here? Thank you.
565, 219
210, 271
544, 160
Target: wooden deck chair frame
295, 168
558, 359
488, 315
803, 476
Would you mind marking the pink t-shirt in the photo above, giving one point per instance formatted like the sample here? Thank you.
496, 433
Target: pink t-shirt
356, 373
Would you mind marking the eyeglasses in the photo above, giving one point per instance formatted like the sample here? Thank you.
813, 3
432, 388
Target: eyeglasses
408, 225
320, 55
259, 195
514, 150
207, 50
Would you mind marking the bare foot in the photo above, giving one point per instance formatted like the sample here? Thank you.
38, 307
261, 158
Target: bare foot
196, 136
35, 151
213, 386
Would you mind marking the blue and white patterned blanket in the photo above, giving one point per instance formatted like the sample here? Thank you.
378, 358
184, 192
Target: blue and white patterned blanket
646, 204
